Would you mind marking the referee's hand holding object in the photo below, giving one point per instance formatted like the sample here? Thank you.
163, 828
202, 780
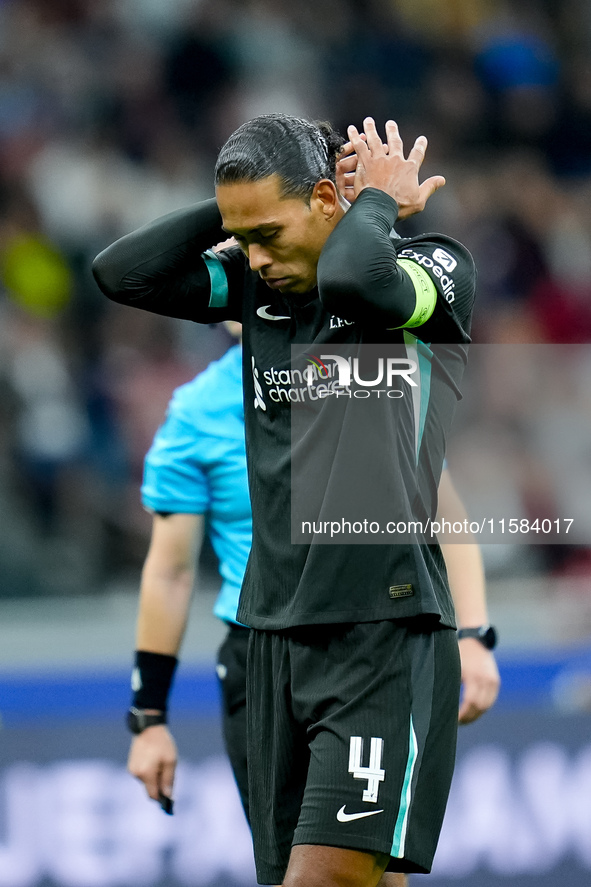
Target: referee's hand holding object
152, 759
375, 164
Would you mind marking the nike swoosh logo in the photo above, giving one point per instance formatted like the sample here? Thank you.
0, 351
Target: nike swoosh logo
262, 312
349, 817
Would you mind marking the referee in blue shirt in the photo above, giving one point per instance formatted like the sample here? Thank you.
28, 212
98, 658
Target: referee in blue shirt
196, 467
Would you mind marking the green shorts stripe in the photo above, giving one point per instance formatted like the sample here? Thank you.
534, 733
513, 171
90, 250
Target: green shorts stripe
399, 840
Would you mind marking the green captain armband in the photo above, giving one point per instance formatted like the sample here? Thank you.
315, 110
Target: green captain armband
218, 280
425, 291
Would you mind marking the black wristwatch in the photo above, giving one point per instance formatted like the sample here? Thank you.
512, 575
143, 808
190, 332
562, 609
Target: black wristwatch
486, 634
138, 720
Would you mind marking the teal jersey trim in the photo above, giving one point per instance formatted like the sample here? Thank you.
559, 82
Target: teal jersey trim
218, 280
400, 829
422, 355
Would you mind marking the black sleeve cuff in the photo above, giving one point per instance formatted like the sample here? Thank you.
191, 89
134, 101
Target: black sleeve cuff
383, 206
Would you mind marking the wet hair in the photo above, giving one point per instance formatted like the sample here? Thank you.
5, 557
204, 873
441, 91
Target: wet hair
298, 151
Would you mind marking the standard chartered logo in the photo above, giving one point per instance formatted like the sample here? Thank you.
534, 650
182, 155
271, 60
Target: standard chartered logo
339, 376
258, 391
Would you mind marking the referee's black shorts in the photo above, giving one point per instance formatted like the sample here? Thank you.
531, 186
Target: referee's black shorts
231, 671
351, 740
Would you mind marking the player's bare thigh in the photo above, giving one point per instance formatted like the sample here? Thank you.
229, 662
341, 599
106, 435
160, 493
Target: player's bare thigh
312, 865
393, 879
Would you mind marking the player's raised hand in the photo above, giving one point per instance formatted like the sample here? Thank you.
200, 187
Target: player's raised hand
345, 170
383, 166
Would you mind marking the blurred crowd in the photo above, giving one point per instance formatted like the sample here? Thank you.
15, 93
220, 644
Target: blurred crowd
112, 112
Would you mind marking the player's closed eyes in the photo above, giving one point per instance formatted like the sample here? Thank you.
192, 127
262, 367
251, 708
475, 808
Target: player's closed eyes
264, 239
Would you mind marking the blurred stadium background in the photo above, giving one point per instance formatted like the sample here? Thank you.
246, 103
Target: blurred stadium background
111, 113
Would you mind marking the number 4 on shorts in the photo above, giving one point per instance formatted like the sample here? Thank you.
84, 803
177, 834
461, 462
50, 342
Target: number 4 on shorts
374, 774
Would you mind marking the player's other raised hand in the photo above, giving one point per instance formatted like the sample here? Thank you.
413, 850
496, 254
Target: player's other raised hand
382, 165
345, 171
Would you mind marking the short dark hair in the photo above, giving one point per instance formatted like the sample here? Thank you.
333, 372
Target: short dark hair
300, 152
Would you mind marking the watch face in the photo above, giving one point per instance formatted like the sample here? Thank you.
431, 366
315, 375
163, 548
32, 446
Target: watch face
133, 722
486, 634
138, 720
489, 638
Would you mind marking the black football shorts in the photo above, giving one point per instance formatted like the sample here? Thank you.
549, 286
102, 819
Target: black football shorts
351, 740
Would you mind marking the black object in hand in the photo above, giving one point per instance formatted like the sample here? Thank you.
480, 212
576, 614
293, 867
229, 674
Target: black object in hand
165, 803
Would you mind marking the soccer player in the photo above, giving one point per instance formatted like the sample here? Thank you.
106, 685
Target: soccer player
353, 667
196, 467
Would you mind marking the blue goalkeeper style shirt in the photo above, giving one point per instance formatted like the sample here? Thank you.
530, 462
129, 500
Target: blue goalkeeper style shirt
197, 465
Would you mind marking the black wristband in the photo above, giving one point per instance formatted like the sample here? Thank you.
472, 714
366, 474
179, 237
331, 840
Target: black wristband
486, 634
151, 679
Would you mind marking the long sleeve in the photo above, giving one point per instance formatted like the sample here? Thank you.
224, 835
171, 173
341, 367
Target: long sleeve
359, 277
161, 267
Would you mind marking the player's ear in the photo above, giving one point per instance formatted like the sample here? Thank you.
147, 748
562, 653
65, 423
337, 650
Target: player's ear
325, 198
